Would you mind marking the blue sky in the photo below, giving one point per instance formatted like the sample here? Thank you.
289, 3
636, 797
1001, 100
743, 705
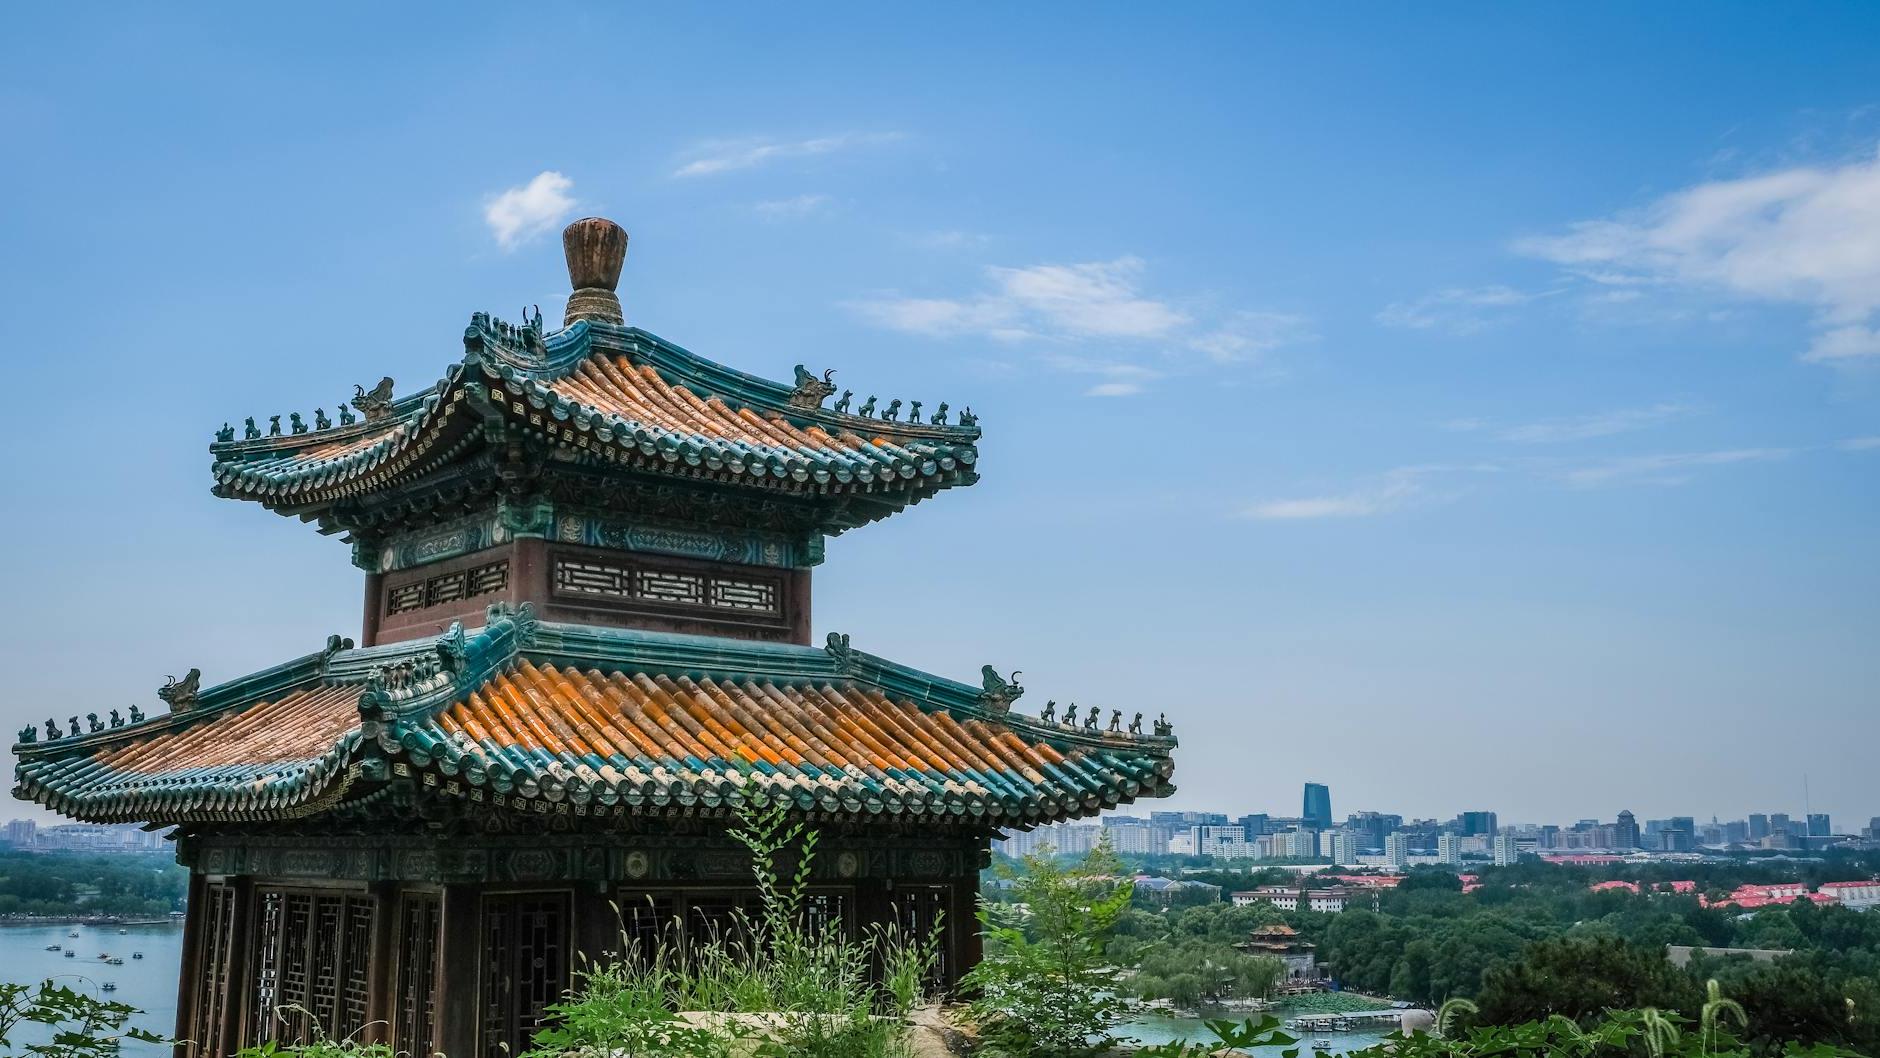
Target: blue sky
1467, 407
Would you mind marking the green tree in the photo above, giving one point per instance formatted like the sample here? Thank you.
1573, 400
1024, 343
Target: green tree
1046, 986
1579, 978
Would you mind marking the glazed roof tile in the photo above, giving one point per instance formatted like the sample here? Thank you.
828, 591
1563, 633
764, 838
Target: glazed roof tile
603, 720
621, 397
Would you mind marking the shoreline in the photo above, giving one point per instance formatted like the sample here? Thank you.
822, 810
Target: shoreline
87, 920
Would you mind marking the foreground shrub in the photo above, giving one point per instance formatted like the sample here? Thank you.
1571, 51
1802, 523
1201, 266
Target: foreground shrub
782, 986
1045, 986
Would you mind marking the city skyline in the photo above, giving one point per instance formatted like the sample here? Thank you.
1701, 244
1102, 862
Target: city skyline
1450, 447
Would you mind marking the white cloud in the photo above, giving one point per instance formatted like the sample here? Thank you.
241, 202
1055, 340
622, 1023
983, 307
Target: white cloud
1249, 334
722, 156
1093, 301
1390, 491
1844, 345
1459, 310
1859, 444
1670, 468
1114, 389
791, 208
1099, 299
1587, 427
1807, 236
521, 213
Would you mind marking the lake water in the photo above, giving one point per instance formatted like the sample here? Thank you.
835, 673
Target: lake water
1159, 1029
148, 983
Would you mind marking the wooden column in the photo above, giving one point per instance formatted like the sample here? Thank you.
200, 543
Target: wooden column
596, 927
962, 929
381, 966
459, 972
189, 974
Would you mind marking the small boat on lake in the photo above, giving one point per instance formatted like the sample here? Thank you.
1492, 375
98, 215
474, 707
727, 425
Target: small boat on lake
74, 933
109, 986
52, 947
116, 960
137, 955
124, 933
71, 954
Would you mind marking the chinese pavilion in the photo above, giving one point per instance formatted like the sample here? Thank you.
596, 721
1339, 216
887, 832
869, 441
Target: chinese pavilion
586, 643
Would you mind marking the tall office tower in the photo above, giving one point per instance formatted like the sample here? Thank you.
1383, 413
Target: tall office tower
1506, 852
1779, 823
1396, 849
1625, 832
1477, 824
1317, 812
1818, 825
1758, 826
1448, 848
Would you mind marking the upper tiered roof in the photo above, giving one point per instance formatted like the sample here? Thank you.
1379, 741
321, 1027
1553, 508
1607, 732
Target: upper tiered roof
601, 399
569, 718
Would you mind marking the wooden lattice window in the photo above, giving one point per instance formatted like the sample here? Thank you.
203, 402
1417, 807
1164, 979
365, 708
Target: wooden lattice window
636, 582
525, 966
213, 970
313, 956
917, 910
455, 586
415, 1019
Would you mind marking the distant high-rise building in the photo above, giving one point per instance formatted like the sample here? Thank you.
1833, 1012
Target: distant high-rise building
1397, 849
1735, 832
1758, 826
1317, 811
1779, 823
1625, 831
1506, 851
1341, 846
1296, 845
22, 833
1372, 826
1818, 826
1448, 848
1473, 824
1255, 824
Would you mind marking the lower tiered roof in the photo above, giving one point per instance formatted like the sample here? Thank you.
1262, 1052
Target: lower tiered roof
602, 721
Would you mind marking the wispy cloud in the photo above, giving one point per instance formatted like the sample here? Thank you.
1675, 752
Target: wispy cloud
1390, 491
1858, 444
521, 213
1601, 424
1459, 310
793, 208
1667, 468
1095, 301
713, 157
1099, 299
1808, 236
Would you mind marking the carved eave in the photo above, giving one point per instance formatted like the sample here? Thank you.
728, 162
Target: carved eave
589, 410
601, 723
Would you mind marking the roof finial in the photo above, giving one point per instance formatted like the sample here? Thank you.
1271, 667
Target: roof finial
595, 248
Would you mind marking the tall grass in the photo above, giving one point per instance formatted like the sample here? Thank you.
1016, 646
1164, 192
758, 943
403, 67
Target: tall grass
781, 982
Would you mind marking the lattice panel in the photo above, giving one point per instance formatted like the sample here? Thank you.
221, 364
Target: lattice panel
355, 981
668, 587
214, 969
416, 1020
487, 579
525, 966
313, 954
917, 909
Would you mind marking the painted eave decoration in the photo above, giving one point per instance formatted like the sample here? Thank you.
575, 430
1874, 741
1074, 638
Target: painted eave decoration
611, 396
544, 717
